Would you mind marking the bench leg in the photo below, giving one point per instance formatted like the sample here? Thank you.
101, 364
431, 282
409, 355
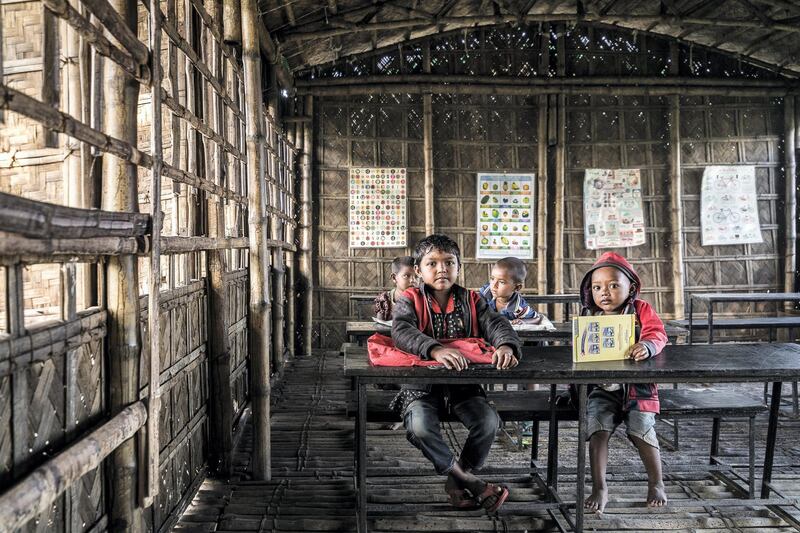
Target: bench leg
675, 434
552, 443
751, 487
534, 441
795, 406
714, 441
766, 389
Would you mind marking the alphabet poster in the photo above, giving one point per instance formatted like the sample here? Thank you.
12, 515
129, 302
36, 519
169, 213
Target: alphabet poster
729, 205
505, 216
612, 208
378, 208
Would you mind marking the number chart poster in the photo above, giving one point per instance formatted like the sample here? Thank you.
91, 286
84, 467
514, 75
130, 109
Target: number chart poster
612, 208
378, 207
505, 216
729, 206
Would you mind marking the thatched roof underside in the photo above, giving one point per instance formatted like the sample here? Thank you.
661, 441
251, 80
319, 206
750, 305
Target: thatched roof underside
317, 32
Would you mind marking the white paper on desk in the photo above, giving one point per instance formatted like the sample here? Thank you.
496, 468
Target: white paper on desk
384, 322
544, 325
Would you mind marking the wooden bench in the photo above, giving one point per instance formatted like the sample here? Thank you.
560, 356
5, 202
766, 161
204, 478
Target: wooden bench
534, 406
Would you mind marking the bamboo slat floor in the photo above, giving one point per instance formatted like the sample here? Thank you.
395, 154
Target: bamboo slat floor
312, 487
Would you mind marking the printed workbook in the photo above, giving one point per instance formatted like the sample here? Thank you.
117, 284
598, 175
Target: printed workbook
602, 337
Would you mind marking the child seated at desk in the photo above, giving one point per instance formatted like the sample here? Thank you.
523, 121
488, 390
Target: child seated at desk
612, 287
403, 277
502, 292
440, 309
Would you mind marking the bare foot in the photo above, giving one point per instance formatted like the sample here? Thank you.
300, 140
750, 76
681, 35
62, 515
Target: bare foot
597, 500
656, 495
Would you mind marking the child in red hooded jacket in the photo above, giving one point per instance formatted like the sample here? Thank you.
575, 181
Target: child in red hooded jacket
611, 287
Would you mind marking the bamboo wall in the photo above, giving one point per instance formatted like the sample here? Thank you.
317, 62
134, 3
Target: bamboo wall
186, 253
480, 132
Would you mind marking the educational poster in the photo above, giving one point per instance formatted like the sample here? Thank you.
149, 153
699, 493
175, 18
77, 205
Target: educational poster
378, 208
728, 205
612, 208
505, 216
602, 337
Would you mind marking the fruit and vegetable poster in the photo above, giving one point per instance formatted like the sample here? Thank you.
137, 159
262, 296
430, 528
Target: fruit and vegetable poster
729, 206
612, 208
505, 216
377, 208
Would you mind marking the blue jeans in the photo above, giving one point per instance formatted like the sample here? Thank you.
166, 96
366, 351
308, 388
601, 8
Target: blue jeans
421, 420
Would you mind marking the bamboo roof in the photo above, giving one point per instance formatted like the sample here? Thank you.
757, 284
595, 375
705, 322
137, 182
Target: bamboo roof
316, 32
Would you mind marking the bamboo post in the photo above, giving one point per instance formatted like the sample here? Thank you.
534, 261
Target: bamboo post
154, 295
542, 200
258, 319
291, 257
790, 164
560, 177
121, 93
221, 404
231, 21
277, 230
50, 68
427, 145
305, 227
676, 190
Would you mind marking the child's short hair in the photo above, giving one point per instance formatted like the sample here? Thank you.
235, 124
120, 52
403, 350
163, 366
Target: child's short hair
439, 242
402, 261
515, 267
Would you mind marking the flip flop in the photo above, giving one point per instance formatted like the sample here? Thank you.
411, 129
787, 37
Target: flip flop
462, 499
484, 498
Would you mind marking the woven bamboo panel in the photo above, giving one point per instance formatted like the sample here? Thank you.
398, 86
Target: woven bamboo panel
721, 131
629, 132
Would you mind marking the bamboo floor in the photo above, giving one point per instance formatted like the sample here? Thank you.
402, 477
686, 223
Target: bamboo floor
312, 483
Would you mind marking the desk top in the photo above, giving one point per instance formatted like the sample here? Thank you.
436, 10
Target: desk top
563, 330
746, 296
534, 298
681, 363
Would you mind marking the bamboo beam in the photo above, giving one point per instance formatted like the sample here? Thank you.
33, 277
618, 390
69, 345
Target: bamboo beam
561, 175
36, 219
305, 228
543, 199
180, 245
51, 69
790, 166
120, 94
552, 83
274, 57
232, 22
421, 24
36, 493
154, 293
427, 146
258, 316
115, 24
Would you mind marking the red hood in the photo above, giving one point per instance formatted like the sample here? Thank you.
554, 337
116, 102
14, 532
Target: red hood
613, 260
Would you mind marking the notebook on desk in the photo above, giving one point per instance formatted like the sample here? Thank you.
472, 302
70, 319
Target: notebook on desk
602, 337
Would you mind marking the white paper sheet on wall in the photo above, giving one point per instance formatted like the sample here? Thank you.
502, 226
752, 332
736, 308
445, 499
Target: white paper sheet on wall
612, 208
729, 206
377, 214
505, 216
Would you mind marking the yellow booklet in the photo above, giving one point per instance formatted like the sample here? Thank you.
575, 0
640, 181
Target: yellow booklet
602, 337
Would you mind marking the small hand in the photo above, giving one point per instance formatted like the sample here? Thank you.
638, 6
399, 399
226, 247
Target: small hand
451, 358
503, 358
638, 352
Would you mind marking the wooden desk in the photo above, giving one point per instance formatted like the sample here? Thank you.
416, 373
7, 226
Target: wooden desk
710, 298
775, 362
359, 331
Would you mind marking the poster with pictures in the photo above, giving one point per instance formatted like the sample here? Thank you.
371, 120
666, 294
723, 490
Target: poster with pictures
612, 208
505, 216
729, 205
377, 208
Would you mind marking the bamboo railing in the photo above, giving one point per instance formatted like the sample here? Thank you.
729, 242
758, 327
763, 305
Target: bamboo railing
216, 183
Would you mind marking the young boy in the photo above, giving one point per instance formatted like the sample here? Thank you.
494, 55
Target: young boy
611, 287
440, 309
403, 277
502, 291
